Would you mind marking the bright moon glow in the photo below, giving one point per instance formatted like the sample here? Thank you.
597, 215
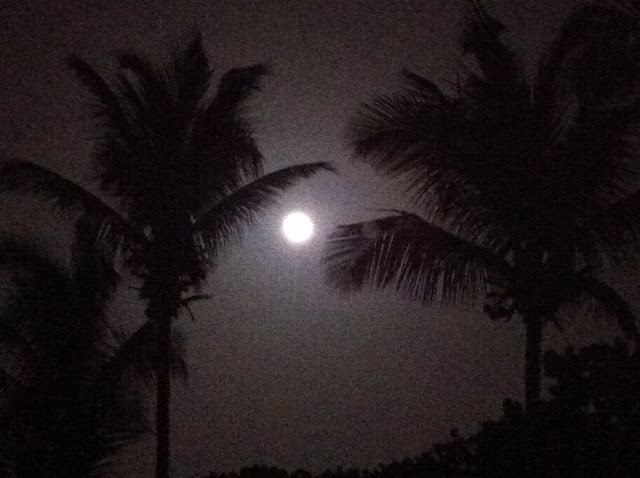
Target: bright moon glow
297, 227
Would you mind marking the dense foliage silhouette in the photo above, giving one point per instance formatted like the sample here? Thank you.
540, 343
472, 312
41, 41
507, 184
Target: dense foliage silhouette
72, 383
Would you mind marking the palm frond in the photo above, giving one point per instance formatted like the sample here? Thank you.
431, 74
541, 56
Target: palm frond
599, 45
629, 7
501, 81
224, 220
27, 177
191, 72
101, 459
51, 325
137, 167
151, 81
14, 253
110, 108
137, 355
220, 154
606, 35
185, 303
221, 119
480, 29
16, 353
418, 136
455, 171
614, 304
424, 88
18, 356
419, 259
614, 231
393, 126
30, 320
7, 382
158, 107
236, 86
131, 355
93, 263
24, 176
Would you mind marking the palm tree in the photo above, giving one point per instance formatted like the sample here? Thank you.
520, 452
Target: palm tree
181, 161
71, 383
523, 190
608, 30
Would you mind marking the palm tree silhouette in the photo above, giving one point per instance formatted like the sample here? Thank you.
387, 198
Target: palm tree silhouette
608, 31
523, 190
71, 383
181, 161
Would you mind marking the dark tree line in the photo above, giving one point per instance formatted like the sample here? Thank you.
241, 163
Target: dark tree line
589, 427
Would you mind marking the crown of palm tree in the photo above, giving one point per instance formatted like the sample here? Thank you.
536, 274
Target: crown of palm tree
176, 153
500, 165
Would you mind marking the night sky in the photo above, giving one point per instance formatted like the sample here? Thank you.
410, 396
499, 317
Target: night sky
284, 370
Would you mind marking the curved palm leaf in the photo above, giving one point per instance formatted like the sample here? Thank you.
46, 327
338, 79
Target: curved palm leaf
500, 82
33, 312
24, 176
192, 72
613, 232
137, 355
609, 74
418, 258
398, 133
93, 273
221, 149
613, 303
20, 344
223, 221
109, 108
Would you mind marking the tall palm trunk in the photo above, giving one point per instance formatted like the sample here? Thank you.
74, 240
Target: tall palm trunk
162, 309
163, 395
163, 290
533, 373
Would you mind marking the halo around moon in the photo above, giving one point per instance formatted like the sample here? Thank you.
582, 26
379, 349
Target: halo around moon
297, 227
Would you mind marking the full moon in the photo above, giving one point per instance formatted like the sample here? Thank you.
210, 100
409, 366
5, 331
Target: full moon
297, 227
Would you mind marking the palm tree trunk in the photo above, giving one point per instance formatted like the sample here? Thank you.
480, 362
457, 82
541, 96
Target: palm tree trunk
163, 395
533, 353
164, 271
162, 308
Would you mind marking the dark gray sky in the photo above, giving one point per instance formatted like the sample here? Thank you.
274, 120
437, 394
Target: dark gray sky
285, 371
